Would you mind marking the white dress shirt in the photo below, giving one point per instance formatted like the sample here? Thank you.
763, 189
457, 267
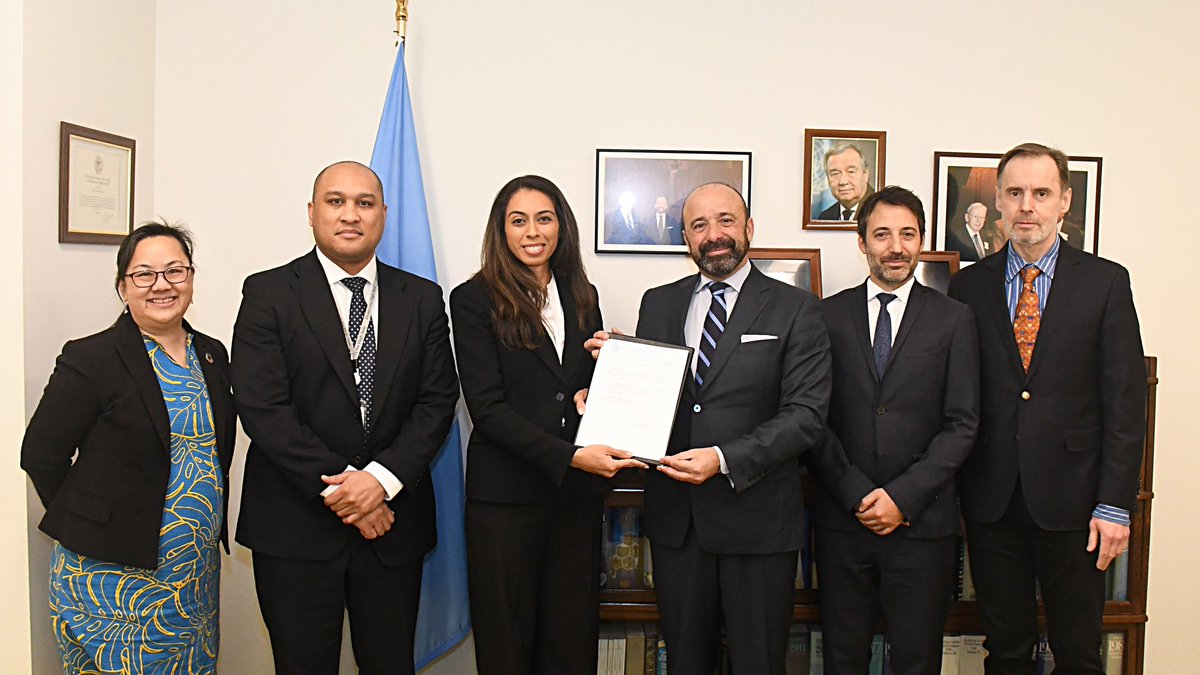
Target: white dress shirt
895, 308
341, 297
554, 319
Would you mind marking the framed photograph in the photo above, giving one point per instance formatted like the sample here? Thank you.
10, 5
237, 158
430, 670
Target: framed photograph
965, 216
640, 193
95, 185
840, 169
934, 269
799, 267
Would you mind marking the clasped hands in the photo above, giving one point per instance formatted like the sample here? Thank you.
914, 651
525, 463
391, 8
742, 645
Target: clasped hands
359, 501
878, 513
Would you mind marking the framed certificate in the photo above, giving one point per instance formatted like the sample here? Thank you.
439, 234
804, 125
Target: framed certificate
95, 186
634, 395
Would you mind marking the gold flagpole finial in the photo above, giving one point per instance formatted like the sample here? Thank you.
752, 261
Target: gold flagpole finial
401, 20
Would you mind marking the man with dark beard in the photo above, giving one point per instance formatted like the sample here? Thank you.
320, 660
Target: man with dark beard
902, 420
723, 511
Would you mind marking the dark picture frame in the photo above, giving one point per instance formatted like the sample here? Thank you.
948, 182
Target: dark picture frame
632, 186
95, 185
799, 267
963, 179
821, 206
934, 269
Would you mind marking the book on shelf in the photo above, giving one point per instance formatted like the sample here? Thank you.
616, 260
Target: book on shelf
635, 649
797, 660
875, 665
1044, 657
660, 665
650, 653
971, 656
1114, 653
951, 654
816, 653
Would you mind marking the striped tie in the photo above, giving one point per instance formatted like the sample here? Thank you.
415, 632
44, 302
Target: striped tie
714, 325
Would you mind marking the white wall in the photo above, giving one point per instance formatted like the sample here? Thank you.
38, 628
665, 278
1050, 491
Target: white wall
249, 100
91, 64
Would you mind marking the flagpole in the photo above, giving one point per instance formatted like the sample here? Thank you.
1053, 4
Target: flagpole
401, 20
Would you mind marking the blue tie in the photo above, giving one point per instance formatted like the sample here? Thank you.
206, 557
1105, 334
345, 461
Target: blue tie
714, 325
365, 366
883, 334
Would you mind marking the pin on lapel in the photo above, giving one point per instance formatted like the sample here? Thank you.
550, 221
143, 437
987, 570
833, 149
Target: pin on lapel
208, 357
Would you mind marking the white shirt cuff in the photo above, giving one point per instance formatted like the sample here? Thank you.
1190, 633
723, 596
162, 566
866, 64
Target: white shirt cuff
724, 466
387, 480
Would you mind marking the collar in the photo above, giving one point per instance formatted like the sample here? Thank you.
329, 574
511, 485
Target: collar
735, 281
1047, 264
335, 274
902, 293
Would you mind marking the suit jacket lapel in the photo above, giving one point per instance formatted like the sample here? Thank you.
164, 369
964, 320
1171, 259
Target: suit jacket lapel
912, 313
214, 380
997, 306
571, 335
1063, 288
316, 302
862, 328
395, 316
678, 306
132, 350
751, 300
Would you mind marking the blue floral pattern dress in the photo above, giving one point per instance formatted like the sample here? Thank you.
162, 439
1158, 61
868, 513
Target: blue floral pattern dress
112, 618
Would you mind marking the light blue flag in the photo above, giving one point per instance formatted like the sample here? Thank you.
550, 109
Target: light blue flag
444, 618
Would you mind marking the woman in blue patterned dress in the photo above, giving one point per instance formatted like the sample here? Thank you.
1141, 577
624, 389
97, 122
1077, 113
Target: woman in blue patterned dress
129, 451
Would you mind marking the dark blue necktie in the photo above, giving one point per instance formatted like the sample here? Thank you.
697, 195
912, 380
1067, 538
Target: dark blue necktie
883, 334
714, 325
364, 367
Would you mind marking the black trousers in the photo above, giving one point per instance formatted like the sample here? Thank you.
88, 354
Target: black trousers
910, 580
533, 574
304, 603
1007, 558
753, 593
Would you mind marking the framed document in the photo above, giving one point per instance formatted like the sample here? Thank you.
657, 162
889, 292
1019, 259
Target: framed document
799, 267
95, 186
634, 395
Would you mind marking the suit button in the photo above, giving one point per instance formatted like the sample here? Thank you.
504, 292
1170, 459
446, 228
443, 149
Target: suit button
1025, 396
880, 410
696, 408
559, 397
358, 460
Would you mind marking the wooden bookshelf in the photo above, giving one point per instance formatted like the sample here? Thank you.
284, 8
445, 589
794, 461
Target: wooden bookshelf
1128, 617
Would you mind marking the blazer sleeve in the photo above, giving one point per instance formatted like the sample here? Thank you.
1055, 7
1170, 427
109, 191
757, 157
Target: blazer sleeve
479, 354
64, 417
846, 483
423, 431
916, 487
805, 386
262, 391
1122, 397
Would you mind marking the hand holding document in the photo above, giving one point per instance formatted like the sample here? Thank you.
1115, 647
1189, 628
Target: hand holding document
634, 394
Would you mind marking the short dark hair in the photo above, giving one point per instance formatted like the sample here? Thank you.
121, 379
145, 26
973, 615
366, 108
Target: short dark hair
355, 163
147, 230
893, 195
745, 206
1038, 150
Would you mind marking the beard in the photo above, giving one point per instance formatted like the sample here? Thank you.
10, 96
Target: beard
892, 276
720, 266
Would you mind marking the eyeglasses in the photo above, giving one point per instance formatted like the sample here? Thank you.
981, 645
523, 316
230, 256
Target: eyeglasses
147, 278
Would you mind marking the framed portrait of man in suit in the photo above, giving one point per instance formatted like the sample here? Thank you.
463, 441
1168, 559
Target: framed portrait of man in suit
965, 216
799, 267
640, 193
841, 168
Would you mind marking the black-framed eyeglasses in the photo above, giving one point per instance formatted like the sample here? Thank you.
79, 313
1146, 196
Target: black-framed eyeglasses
147, 278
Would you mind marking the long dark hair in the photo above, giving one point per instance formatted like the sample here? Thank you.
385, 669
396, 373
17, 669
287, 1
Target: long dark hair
516, 294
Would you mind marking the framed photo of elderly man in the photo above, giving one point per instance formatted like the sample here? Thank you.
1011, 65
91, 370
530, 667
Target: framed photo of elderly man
640, 194
840, 169
965, 217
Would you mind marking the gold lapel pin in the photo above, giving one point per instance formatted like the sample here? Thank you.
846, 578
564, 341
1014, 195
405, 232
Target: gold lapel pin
208, 357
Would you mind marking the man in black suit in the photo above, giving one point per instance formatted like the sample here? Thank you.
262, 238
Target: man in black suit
1047, 492
623, 225
664, 227
723, 511
973, 238
345, 383
849, 181
902, 419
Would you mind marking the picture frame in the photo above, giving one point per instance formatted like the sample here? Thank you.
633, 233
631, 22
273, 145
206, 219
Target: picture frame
799, 267
635, 187
934, 269
95, 185
823, 210
963, 179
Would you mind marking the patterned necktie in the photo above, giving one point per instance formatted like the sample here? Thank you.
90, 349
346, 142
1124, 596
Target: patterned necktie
882, 346
364, 367
1029, 316
714, 325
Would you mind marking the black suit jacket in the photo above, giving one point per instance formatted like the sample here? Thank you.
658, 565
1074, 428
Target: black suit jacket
617, 232
908, 432
296, 395
834, 212
521, 404
1072, 428
672, 234
104, 400
763, 403
958, 239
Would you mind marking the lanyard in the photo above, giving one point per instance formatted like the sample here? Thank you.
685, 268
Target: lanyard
355, 346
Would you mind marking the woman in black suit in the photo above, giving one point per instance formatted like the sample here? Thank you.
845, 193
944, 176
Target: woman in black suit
534, 499
145, 409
